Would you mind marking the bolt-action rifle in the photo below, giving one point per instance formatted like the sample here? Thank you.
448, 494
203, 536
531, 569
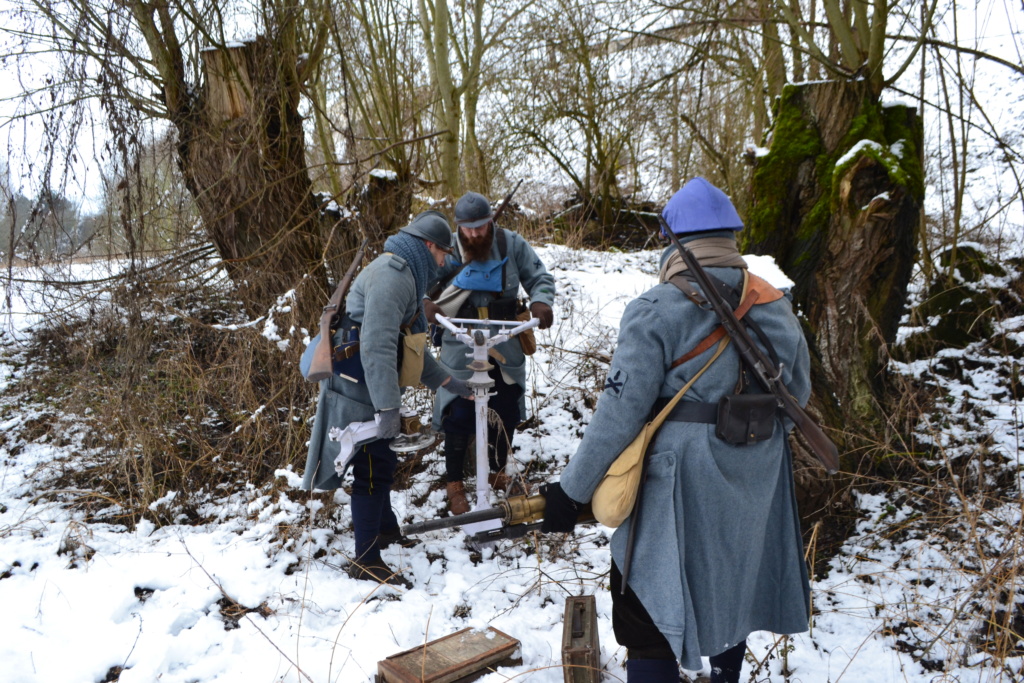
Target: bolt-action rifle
768, 376
519, 516
436, 290
321, 366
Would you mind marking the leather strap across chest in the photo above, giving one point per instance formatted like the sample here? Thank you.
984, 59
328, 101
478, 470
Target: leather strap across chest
758, 291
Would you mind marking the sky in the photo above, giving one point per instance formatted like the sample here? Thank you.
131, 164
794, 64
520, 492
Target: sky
989, 25
79, 599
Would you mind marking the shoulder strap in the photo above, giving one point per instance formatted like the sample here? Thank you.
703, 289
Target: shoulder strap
502, 240
660, 417
691, 292
757, 291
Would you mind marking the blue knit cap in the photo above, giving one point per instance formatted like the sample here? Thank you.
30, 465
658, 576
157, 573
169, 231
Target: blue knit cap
700, 206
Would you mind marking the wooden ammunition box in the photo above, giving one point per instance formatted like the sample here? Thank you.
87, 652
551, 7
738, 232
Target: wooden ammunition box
581, 649
461, 657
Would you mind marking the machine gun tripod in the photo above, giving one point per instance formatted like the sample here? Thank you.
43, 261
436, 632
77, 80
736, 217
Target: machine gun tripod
476, 335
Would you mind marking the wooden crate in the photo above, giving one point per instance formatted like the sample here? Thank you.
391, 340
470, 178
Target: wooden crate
461, 657
581, 649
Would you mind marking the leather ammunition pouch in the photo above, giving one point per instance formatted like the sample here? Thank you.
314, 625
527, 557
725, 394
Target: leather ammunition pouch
739, 419
745, 419
502, 308
346, 362
527, 339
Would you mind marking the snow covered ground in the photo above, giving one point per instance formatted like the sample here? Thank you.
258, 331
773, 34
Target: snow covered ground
258, 594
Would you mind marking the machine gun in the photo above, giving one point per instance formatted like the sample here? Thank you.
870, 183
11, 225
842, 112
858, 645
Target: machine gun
519, 515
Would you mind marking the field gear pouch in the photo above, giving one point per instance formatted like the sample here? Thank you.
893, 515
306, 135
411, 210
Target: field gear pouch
746, 418
410, 365
345, 360
503, 308
527, 339
615, 495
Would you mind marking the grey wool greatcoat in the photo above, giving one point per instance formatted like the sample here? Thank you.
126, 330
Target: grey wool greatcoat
382, 299
718, 551
524, 268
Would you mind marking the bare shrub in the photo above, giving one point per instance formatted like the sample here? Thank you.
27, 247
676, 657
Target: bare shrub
187, 401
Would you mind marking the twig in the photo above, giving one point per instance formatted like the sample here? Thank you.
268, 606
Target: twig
224, 593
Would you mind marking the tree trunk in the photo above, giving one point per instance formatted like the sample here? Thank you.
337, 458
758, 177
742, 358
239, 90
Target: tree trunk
837, 203
242, 153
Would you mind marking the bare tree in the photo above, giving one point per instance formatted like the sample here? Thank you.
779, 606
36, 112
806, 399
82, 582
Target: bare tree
233, 106
583, 104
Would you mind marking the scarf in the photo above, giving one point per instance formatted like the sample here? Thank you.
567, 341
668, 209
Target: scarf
424, 268
711, 252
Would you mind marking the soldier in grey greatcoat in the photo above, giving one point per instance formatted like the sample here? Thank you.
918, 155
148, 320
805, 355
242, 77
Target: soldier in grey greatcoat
485, 274
717, 552
385, 296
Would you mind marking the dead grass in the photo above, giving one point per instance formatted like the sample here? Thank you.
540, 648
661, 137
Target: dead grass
186, 399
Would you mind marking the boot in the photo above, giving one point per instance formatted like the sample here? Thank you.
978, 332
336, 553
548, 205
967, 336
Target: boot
396, 538
377, 571
457, 503
510, 486
499, 481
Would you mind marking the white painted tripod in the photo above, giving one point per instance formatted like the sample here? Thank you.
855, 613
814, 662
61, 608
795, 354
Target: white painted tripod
480, 343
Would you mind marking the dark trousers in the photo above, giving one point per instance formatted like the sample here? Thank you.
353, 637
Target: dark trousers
373, 472
644, 643
460, 420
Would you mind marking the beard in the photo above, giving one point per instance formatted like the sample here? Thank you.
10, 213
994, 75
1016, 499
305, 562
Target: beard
477, 247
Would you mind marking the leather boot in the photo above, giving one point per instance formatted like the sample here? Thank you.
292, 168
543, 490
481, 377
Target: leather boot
499, 481
457, 502
377, 571
510, 486
396, 538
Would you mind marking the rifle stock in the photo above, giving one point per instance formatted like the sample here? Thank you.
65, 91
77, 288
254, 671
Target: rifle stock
321, 366
767, 374
504, 202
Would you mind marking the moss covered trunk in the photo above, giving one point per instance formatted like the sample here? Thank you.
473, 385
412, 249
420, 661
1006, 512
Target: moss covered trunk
837, 201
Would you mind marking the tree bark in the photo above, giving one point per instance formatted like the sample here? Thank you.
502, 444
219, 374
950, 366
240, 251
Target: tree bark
837, 203
242, 153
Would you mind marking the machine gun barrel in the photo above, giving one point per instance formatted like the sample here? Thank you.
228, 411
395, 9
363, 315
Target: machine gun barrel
455, 520
513, 510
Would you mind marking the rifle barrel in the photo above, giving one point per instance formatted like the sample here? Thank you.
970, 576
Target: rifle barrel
766, 372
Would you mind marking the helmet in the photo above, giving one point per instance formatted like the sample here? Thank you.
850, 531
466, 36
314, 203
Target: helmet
431, 226
700, 206
472, 210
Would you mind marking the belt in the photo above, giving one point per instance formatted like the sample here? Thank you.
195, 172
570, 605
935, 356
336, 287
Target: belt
688, 411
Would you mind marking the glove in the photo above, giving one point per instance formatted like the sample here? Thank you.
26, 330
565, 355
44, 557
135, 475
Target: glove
458, 387
430, 310
560, 511
389, 424
543, 313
